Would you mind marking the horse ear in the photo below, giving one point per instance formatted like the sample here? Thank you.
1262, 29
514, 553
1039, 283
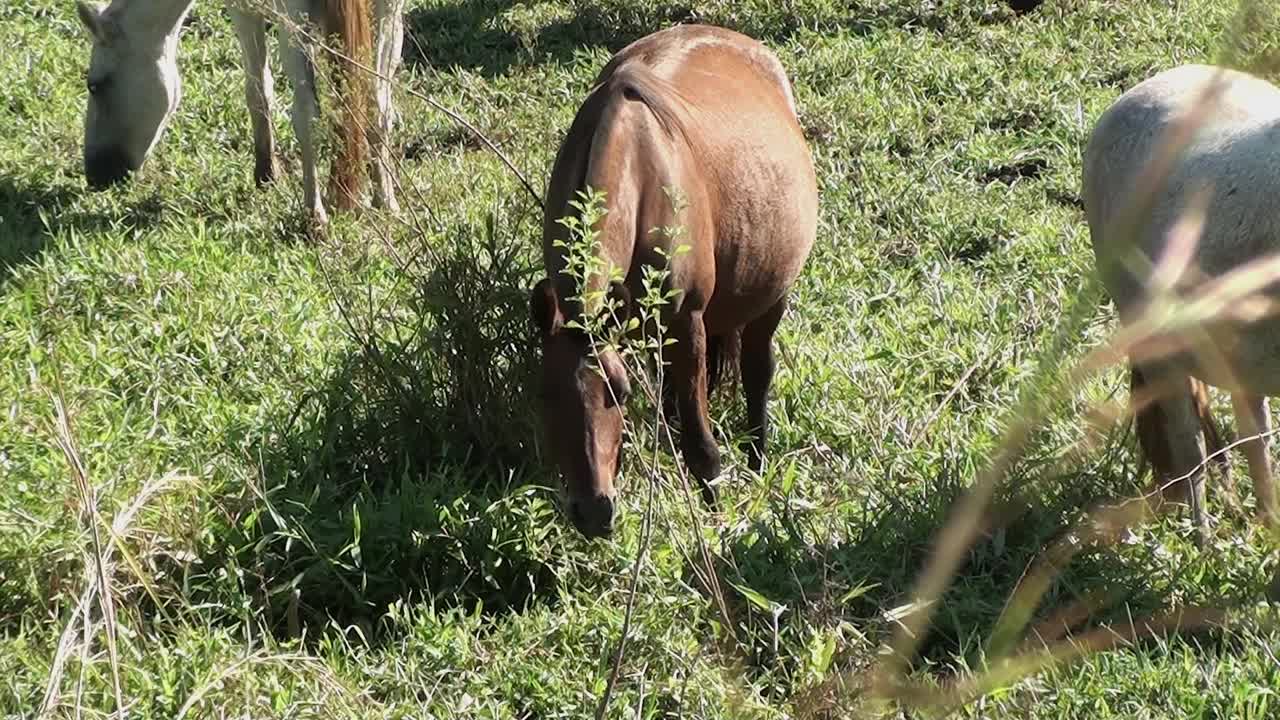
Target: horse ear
544, 308
91, 18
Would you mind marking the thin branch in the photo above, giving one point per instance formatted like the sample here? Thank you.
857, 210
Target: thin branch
646, 530
915, 436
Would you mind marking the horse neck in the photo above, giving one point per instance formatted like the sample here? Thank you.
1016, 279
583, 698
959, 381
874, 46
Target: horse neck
153, 22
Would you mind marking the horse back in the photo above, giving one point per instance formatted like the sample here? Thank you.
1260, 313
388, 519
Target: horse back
708, 112
1233, 158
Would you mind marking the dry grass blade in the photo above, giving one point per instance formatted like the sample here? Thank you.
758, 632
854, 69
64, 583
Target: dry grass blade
291, 661
1165, 624
1180, 248
89, 516
100, 570
1099, 527
1169, 328
959, 532
66, 647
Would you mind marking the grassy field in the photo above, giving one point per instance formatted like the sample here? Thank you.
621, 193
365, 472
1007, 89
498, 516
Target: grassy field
320, 459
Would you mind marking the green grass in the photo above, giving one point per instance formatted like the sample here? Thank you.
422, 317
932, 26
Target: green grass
360, 522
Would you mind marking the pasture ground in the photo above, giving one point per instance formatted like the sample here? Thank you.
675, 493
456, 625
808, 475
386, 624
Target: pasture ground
335, 504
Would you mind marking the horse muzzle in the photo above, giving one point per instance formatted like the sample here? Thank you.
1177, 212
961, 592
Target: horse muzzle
106, 167
593, 516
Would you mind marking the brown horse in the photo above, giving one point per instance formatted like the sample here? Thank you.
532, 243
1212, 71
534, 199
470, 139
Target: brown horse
710, 112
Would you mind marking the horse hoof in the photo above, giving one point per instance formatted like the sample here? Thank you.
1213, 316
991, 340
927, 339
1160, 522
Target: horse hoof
704, 461
317, 224
265, 170
1177, 493
388, 203
708, 495
755, 457
1267, 518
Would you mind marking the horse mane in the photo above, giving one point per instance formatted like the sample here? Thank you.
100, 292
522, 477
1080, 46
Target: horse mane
349, 20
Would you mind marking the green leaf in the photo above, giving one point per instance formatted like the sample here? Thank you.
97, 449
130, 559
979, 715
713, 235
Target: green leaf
857, 592
821, 652
757, 599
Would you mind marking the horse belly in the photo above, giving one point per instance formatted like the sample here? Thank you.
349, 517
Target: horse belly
1243, 359
752, 275
763, 238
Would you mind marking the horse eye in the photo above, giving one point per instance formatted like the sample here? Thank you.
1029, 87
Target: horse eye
96, 86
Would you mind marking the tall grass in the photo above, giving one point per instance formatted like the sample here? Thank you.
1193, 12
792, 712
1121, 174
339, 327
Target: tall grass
403, 495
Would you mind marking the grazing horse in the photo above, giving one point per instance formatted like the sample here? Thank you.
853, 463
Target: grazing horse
709, 112
134, 87
1235, 157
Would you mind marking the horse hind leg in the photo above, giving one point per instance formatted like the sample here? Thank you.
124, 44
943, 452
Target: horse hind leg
306, 110
389, 23
1170, 433
1254, 419
251, 30
756, 364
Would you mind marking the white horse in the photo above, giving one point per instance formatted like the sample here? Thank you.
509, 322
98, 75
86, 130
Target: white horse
134, 87
1234, 157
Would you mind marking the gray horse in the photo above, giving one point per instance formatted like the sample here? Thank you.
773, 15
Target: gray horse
1232, 162
134, 87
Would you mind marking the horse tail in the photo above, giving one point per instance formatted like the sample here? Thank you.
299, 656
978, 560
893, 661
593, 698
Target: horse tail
724, 353
1213, 444
350, 21
1150, 425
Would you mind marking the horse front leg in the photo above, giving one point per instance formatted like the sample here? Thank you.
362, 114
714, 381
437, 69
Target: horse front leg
389, 39
306, 110
1253, 417
251, 29
690, 368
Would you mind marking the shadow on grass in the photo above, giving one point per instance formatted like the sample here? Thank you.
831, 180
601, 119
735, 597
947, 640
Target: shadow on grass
492, 36
863, 578
30, 214
408, 473
27, 216
473, 35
